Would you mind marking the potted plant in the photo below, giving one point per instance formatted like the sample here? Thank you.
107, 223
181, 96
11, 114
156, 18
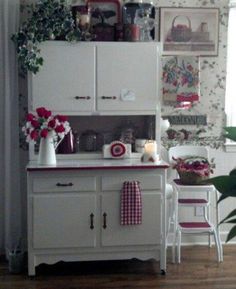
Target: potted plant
226, 185
48, 20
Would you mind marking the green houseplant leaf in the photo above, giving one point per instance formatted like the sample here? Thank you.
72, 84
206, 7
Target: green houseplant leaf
232, 234
230, 132
226, 185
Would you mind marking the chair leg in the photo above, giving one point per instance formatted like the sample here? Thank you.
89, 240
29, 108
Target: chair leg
179, 246
217, 244
220, 245
174, 248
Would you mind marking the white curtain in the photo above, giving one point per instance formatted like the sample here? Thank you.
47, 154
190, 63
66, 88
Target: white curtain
230, 98
10, 199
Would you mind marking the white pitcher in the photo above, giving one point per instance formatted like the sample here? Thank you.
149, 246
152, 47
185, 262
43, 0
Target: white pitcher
47, 154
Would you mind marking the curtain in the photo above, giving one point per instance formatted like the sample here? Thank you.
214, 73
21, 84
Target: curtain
10, 199
231, 64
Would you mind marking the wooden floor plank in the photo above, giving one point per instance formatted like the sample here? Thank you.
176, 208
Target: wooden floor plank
198, 270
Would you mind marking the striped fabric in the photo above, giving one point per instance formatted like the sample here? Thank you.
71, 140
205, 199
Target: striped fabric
131, 204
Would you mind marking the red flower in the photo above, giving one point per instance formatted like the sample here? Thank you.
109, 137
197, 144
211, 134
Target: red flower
30, 117
47, 113
44, 133
52, 123
34, 134
59, 128
61, 118
43, 112
35, 123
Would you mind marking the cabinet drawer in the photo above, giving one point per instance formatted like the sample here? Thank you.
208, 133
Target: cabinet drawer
148, 182
69, 184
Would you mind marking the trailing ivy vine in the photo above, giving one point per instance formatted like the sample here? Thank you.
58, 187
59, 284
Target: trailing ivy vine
48, 20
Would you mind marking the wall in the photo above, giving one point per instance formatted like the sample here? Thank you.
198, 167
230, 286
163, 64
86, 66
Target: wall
212, 94
212, 87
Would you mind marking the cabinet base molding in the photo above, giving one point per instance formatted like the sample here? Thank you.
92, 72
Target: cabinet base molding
36, 259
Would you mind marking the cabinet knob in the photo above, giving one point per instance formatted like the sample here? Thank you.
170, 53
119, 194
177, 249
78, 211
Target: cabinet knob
82, 97
91, 221
64, 184
104, 220
108, 97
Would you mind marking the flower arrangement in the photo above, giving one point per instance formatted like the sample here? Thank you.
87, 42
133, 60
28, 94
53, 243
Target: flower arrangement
48, 20
193, 170
42, 123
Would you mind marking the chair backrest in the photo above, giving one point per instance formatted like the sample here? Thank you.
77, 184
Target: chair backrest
187, 150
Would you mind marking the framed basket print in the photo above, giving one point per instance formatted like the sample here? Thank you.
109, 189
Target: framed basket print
189, 31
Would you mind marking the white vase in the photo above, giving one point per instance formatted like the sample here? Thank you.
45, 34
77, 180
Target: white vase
47, 154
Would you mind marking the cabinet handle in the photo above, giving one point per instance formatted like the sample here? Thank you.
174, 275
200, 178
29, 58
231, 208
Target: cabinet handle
82, 97
108, 97
91, 221
64, 185
104, 220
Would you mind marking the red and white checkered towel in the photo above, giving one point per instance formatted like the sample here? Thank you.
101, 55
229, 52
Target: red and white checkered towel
131, 204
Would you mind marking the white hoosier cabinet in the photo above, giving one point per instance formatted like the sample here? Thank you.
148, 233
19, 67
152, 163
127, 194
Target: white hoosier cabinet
74, 206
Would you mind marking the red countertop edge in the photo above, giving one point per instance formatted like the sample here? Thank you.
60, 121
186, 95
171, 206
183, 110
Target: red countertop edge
98, 168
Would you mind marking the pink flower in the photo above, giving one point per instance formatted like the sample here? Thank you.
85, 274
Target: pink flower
52, 123
35, 123
40, 124
43, 112
34, 135
61, 118
30, 117
60, 128
44, 133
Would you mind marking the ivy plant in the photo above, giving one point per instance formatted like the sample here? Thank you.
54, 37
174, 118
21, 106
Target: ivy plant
48, 20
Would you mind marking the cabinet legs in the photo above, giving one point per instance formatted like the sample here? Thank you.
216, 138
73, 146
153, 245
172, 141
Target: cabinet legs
31, 265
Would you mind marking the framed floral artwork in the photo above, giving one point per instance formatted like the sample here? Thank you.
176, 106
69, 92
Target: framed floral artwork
189, 31
180, 81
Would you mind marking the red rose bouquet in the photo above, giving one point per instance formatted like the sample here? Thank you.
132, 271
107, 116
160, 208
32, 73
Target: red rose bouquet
193, 170
42, 123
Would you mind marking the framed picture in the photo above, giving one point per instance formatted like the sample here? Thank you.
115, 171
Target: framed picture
105, 11
189, 31
180, 81
104, 15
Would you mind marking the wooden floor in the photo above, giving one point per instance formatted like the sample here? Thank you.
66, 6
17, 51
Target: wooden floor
198, 270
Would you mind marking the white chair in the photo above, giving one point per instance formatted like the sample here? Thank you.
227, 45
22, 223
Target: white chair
170, 224
200, 196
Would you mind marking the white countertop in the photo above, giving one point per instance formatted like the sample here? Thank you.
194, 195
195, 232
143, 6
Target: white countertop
98, 164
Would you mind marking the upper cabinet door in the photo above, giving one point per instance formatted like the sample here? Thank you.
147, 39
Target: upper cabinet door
127, 77
66, 81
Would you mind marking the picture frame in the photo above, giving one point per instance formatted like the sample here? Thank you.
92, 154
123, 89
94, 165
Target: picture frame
189, 31
106, 5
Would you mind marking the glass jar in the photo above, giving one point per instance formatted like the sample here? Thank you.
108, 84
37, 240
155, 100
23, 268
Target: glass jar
141, 15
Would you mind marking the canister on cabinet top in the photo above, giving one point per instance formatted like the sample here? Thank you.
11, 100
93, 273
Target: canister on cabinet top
131, 32
138, 13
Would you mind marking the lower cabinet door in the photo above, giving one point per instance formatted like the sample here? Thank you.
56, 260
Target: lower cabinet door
147, 233
64, 221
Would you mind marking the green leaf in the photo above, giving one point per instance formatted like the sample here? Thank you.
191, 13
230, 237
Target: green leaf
233, 173
222, 197
230, 215
230, 132
231, 221
232, 234
224, 184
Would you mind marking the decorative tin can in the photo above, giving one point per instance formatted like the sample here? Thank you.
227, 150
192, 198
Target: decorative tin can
131, 32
